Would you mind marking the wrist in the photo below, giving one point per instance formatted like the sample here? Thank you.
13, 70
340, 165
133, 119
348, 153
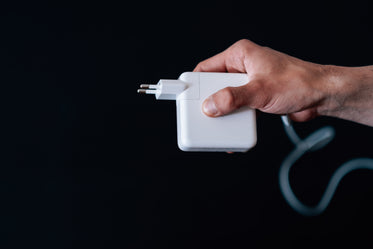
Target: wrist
349, 93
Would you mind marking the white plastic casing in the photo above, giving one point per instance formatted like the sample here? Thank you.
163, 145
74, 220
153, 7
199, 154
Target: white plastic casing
235, 132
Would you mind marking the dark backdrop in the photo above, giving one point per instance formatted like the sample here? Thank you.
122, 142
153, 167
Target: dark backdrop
88, 163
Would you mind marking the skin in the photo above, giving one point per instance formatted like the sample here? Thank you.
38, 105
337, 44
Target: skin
282, 84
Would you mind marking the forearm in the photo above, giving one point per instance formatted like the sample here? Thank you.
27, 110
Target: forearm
350, 94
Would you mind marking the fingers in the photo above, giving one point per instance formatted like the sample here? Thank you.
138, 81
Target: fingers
252, 95
213, 64
271, 88
229, 99
303, 116
230, 60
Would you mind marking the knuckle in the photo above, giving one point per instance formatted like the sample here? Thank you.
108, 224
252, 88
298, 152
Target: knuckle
227, 99
243, 42
243, 47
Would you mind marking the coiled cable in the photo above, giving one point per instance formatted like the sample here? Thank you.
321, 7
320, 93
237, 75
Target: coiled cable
315, 141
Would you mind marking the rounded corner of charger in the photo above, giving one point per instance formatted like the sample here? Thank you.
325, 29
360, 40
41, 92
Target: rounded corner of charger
184, 144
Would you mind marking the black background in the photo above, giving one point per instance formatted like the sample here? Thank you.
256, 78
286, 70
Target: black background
88, 163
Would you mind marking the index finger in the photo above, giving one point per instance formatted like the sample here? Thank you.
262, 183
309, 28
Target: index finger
216, 63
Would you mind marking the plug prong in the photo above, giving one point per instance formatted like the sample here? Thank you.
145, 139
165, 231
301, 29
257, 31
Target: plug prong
146, 86
147, 91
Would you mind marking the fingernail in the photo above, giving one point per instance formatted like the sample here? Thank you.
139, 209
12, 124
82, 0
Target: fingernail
209, 107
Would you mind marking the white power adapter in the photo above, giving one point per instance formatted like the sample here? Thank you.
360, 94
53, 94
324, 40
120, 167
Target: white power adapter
235, 132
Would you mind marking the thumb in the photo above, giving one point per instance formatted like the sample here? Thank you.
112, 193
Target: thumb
229, 99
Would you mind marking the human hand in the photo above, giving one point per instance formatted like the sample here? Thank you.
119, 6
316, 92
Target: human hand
278, 83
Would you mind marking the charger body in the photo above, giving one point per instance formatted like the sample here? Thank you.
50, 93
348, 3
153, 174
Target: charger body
235, 132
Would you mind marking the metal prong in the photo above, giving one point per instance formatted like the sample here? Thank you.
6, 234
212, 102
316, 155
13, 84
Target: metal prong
144, 86
146, 91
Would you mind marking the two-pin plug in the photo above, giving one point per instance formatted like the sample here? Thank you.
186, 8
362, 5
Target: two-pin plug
165, 89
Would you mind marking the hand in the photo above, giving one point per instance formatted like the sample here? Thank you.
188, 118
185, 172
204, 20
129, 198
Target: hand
282, 84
